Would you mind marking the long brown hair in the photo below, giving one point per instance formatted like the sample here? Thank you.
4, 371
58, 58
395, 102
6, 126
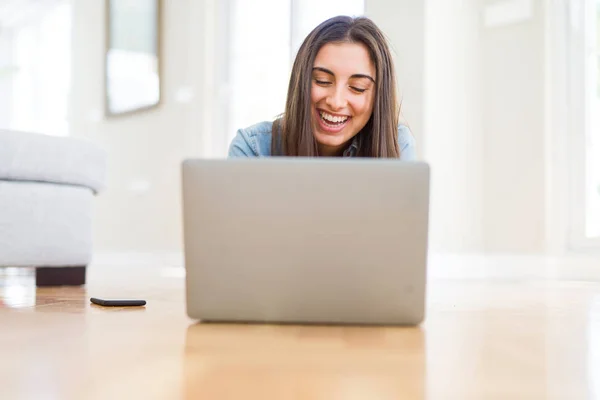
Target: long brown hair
293, 131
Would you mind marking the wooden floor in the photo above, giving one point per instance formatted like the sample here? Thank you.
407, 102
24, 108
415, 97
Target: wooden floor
496, 328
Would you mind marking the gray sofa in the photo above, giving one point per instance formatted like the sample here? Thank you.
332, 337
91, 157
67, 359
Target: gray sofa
47, 189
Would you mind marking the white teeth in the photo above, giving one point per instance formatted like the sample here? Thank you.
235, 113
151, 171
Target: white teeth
333, 119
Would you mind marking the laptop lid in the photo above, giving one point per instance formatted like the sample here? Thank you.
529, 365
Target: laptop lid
304, 240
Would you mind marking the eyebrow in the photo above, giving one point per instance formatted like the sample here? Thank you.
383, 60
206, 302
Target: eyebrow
353, 76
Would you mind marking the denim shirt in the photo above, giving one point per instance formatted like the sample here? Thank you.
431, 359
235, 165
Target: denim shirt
255, 141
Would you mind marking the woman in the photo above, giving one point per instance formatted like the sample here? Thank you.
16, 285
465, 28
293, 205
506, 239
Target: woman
341, 100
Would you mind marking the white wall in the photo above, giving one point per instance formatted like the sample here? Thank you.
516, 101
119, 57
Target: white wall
558, 137
513, 104
6, 63
140, 211
453, 139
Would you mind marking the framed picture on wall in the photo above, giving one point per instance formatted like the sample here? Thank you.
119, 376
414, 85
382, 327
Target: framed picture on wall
132, 81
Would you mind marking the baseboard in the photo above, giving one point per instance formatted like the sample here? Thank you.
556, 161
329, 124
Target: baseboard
162, 259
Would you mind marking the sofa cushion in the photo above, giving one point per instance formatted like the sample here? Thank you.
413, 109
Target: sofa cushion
26, 156
45, 224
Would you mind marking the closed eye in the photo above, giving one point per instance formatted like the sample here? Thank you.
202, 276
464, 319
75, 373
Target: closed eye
359, 90
322, 82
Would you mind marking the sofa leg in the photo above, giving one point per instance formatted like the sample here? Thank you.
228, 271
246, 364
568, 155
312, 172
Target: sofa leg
60, 276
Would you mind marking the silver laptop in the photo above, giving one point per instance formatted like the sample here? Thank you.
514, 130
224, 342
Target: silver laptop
306, 240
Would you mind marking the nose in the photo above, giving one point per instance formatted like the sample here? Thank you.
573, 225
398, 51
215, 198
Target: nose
336, 99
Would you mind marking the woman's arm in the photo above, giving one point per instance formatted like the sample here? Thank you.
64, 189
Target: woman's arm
241, 145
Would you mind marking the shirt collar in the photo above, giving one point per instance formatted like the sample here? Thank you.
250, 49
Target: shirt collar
353, 148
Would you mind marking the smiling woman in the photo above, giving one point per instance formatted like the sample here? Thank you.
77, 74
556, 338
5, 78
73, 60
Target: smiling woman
341, 100
341, 115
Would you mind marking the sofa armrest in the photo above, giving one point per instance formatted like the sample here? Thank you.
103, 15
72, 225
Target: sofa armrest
26, 156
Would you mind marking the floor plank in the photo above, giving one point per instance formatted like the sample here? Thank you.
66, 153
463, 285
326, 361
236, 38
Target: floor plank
493, 331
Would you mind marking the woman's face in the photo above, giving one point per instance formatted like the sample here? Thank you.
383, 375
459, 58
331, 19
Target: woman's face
342, 95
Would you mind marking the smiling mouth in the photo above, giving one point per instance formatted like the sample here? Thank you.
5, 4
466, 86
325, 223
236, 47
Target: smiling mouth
333, 121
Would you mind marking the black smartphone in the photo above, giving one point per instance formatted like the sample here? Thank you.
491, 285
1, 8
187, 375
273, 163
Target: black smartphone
117, 303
